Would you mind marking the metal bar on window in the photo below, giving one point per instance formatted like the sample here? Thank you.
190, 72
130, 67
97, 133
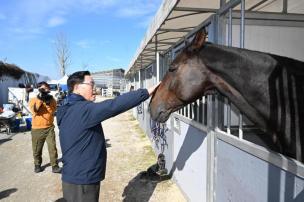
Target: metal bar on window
228, 117
242, 29
242, 40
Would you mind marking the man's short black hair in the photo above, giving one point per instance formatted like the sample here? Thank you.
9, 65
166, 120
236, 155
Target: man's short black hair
43, 83
76, 78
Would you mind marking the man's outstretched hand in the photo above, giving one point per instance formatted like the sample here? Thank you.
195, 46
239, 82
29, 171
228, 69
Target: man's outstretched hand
153, 88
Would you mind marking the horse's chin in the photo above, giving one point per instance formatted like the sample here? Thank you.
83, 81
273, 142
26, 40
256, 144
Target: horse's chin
162, 113
162, 117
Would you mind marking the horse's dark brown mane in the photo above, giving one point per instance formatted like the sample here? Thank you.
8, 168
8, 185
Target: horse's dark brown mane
246, 53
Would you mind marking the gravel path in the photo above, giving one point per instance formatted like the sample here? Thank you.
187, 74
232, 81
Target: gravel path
129, 154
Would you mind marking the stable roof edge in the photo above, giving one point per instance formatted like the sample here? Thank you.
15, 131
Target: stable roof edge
161, 15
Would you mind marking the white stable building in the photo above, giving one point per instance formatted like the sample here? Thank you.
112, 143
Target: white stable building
213, 152
11, 76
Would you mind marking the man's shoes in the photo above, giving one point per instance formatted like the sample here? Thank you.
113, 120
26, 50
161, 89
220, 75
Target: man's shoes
56, 169
38, 169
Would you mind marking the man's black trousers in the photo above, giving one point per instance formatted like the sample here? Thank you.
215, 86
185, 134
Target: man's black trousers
81, 193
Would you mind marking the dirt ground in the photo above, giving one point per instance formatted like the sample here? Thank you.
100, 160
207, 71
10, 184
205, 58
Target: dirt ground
129, 154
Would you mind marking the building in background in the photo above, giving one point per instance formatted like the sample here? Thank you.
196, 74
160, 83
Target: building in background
111, 82
12, 76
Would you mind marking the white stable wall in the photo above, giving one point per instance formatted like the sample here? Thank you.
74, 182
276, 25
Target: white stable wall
284, 41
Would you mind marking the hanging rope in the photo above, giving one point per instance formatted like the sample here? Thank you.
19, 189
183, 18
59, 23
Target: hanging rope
139, 109
159, 135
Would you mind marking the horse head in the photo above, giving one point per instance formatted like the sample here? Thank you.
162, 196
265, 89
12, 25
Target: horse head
187, 71
266, 88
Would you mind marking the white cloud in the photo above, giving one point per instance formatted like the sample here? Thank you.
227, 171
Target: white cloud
126, 8
32, 14
132, 12
31, 17
83, 44
25, 32
56, 21
137, 8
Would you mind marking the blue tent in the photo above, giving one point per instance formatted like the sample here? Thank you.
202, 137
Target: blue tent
64, 87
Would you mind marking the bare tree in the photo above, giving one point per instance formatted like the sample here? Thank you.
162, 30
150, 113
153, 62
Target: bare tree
62, 53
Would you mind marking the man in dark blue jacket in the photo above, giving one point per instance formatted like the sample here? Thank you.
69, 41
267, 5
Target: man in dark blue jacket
81, 136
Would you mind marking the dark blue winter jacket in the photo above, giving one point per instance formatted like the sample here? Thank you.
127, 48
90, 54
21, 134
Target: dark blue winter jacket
81, 136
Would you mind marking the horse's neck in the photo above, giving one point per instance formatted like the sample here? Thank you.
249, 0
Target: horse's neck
272, 85
244, 70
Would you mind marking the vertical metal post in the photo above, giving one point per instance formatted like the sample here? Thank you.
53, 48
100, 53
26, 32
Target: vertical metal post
188, 111
156, 60
144, 72
228, 117
210, 112
285, 6
211, 149
242, 40
221, 25
141, 62
157, 67
230, 28
229, 44
217, 111
222, 2
143, 86
242, 29
208, 120
203, 110
139, 78
241, 126
197, 109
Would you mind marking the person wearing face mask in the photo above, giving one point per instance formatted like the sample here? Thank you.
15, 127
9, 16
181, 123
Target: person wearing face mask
43, 108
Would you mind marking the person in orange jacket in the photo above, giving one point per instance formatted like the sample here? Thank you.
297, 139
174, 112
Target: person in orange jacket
43, 108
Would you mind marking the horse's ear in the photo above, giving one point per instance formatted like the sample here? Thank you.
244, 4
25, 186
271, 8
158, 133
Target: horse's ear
198, 40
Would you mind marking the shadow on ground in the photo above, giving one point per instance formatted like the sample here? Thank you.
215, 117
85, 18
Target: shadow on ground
141, 187
22, 129
7, 193
8, 137
5, 140
48, 164
60, 200
107, 143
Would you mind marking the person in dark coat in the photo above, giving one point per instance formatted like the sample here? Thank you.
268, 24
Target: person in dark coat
81, 135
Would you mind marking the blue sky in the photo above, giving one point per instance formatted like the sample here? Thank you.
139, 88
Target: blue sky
101, 34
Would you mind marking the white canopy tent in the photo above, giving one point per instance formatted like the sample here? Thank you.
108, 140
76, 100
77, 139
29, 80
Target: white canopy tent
63, 80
